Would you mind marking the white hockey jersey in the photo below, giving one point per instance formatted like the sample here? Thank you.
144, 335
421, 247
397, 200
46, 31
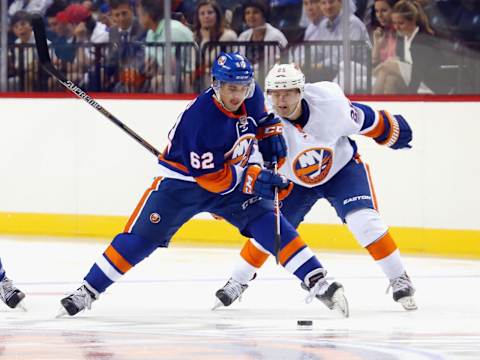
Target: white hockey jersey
322, 148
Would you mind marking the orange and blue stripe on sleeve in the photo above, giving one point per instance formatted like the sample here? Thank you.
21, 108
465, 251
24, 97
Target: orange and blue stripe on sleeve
221, 182
173, 165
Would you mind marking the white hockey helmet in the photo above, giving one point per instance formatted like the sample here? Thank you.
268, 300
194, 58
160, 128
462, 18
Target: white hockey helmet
284, 77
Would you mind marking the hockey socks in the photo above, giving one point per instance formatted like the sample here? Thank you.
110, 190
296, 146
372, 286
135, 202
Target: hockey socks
295, 255
125, 251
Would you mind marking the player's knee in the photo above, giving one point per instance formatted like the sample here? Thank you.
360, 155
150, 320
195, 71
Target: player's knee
366, 225
134, 248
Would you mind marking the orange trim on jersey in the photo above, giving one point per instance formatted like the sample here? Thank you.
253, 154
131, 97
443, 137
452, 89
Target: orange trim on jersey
218, 181
291, 248
252, 255
358, 160
141, 203
379, 129
117, 259
229, 113
174, 164
372, 189
383, 247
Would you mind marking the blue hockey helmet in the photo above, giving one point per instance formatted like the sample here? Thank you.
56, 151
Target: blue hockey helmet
232, 68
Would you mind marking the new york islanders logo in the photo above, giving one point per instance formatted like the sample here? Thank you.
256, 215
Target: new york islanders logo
240, 152
312, 165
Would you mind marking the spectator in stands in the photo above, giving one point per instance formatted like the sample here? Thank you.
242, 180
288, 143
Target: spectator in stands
418, 66
64, 43
314, 14
384, 36
330, 27
150, 13
209, 24
23, 59
329, 63
30, 6
255, 15
51, 17
87, 29
126, 56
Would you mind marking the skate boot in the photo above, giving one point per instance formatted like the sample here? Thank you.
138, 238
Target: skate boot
79, 300
230, 292
330, 294
10, 295
403, 291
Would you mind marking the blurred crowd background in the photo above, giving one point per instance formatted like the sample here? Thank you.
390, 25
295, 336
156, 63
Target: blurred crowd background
367, 46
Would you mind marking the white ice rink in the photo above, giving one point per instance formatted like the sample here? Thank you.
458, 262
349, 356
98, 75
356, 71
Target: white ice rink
161, 309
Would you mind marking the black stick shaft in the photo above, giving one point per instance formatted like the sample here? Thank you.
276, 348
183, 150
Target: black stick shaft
46, 63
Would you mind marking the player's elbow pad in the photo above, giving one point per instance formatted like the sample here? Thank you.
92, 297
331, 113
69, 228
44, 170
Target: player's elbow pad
396, 133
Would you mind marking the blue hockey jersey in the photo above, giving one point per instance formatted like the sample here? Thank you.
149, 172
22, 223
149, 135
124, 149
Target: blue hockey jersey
211, 145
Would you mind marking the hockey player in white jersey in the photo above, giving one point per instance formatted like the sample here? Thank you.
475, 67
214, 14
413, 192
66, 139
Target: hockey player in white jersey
323, 162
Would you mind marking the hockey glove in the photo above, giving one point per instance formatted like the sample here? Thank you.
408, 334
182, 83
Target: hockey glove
271, 142
397, 133
257, 181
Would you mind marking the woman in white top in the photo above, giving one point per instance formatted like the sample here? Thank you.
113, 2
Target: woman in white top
416, 54
255, 15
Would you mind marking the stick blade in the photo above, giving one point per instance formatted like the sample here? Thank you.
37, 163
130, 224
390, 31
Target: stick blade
38, 26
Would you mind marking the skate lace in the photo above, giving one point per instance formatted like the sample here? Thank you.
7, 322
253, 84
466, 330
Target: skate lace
318, 289
82, 299
401, 282
6, 289
234, 289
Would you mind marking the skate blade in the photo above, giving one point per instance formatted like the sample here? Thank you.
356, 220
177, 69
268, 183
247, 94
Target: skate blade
21, 306
218, 304
61, 313
408, 303
340, 303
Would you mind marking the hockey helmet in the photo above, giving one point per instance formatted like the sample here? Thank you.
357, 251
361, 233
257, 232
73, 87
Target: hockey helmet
284, 77
233, 68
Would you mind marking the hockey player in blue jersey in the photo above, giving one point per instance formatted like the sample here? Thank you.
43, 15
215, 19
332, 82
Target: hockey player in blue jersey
210, 165
9, 294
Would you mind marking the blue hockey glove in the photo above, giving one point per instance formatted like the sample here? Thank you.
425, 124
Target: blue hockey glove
397, 133
271, 142
257, 181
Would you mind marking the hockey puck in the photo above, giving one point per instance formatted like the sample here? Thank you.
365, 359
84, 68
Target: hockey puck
304, 322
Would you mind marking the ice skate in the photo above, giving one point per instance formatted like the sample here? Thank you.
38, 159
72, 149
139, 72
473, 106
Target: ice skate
330, 294
79, 300
403, 291
10, 295
230, 292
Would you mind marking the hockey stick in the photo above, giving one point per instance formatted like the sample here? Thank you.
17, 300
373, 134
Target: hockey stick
276, 203
46, 63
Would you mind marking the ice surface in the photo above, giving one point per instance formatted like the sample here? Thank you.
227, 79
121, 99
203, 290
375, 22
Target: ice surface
161, 309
